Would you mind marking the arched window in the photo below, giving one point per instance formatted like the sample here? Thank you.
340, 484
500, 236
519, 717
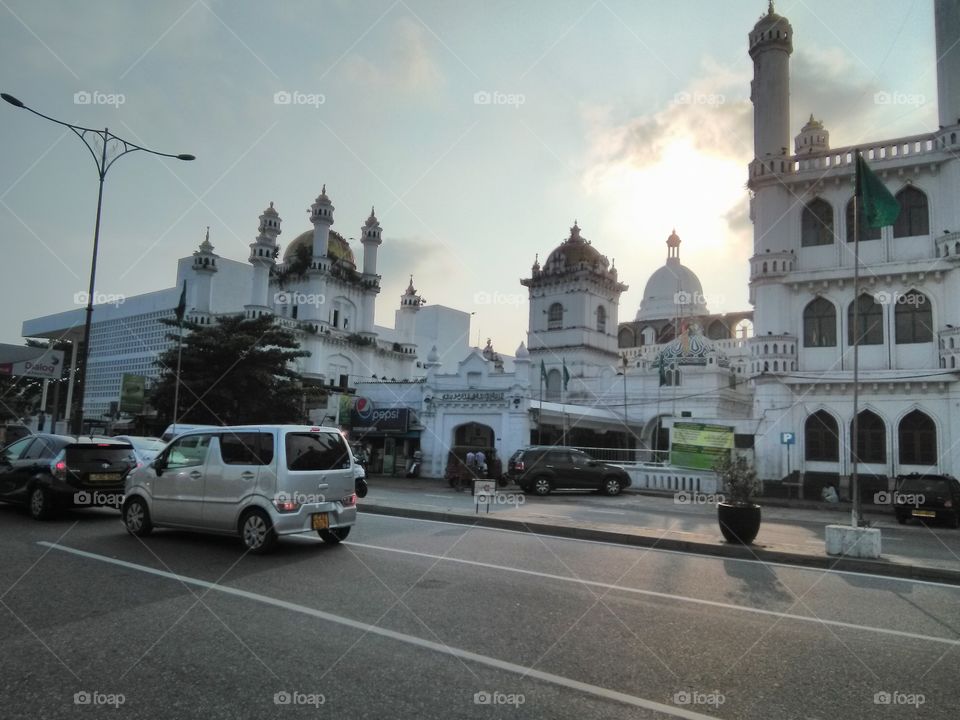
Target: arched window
820, 324
816, 223
918, 439
869, 320
913, 318
625, 338
553, 385
648, 336
871, 442
555, 317
821, 437
866, 232
914, 218
717, 331
671, 377
601, 319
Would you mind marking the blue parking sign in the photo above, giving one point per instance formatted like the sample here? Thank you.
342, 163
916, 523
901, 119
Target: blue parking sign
788, 438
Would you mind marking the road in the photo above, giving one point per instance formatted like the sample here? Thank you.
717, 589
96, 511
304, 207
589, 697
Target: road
787, 528
420, 619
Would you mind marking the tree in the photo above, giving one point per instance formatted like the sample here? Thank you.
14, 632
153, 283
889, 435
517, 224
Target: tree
234, 371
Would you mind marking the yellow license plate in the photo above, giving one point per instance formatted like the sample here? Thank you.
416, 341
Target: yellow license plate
924, 513
320, 521
104, 477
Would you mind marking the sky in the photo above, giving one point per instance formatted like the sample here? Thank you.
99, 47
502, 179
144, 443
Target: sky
479, 130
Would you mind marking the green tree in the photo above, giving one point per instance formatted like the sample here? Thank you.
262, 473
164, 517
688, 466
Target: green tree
234, 371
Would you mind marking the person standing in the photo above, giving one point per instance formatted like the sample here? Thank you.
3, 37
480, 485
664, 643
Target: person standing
481, 459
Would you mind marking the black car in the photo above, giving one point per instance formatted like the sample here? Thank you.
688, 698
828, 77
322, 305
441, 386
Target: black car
48, 472
540, 469
927, 498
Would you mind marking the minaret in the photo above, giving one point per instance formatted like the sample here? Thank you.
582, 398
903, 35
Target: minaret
263, 256
410, 303
771, 42
813, 138
947, 25
204, 268
371, 237
321, 215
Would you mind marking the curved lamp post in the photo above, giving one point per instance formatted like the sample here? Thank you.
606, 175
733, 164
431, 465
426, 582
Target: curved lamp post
105, 148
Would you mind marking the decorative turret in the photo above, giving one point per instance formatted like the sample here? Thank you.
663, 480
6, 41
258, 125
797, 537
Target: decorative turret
321, 215
205, 266
813, 138
406, 321
370, 236
673, 247
771, 43
263, 256
946, 16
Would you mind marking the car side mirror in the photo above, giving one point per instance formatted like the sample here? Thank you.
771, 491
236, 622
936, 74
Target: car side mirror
159, 465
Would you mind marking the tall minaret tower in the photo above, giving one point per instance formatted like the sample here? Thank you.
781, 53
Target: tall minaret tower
204, 268
406, 322
371, 237
947, 24
321, 215
771, 42
263, 256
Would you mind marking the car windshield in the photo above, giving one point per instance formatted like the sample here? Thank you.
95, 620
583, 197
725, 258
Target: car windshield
147, 444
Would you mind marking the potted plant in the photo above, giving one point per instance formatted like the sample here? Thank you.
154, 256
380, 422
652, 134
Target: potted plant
738, 515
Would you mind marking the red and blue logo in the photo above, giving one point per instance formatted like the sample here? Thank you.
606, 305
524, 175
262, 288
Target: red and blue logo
363, 407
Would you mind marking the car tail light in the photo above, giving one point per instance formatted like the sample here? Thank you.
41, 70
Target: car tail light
285, 505
349, 500
58, 467
519, 466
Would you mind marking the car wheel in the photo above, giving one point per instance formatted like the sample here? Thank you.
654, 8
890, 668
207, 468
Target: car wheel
136, 517
257, 532
611, 486
542, 486
41, 503
334, 535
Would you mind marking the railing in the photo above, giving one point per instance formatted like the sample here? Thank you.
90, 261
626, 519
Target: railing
910, 146
622, 456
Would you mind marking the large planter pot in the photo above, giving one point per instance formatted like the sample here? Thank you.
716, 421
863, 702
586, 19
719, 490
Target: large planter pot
739, 523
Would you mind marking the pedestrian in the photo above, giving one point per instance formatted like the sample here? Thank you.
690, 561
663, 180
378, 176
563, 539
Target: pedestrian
481, 461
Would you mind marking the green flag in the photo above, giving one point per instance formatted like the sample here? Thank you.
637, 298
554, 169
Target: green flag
879, 207
182, 305
566, 375
543, 372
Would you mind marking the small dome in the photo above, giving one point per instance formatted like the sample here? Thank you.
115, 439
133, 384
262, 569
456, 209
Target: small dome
433, 356
337, 247
673, 290
522, 353
771, 21
691, 347
573, 251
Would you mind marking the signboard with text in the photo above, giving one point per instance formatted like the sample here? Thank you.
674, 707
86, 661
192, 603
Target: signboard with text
133, 393
699, 445
48, 364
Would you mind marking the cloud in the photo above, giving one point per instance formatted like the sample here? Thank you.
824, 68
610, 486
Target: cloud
406, 64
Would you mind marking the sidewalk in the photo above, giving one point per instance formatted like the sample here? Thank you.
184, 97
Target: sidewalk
791, 533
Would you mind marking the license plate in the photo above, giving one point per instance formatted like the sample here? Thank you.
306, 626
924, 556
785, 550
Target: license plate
924, 513
320, 521
105, 477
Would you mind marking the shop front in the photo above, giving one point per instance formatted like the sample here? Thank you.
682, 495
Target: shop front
387, 436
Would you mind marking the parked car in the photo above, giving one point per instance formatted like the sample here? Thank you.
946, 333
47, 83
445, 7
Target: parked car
50, 472
173, 431
146, 448
542, 469
927, 498
257, 482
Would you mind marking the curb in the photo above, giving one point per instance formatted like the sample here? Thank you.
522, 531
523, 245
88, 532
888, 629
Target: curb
754, 552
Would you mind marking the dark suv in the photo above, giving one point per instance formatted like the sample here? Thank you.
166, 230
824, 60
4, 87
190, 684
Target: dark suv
540, 469
48, 472
927, 498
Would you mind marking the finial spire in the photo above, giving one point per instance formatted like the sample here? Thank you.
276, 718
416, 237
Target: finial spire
770, 8
207, 238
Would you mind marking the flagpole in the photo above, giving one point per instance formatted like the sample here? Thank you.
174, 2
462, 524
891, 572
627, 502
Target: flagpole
540, 413
856, 515
176, 387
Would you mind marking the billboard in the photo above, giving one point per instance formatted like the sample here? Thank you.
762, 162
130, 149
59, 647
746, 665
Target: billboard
370, 419
132, 393
699, 445
47, 364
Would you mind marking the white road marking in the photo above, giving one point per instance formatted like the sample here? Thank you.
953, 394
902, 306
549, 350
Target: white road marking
667, 596
684, 553
606, 512
496, 663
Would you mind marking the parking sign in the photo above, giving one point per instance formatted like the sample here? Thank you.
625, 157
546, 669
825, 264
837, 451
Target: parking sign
788, 438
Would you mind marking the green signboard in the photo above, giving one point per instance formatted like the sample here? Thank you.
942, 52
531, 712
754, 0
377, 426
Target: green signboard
698, 445
132, 393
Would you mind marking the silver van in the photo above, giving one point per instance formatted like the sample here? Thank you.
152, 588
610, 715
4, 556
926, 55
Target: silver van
256, 481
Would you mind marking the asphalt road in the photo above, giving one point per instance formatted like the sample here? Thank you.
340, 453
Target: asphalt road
417, 619
790, 528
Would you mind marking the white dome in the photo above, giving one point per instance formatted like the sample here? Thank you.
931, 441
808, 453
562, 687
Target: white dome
674, 290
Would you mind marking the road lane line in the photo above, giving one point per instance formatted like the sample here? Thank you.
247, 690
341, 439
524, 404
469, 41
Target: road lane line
666, 596
684, 553
606, 512
493, 662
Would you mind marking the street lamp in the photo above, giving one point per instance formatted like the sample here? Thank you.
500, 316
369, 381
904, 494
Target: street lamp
105, 148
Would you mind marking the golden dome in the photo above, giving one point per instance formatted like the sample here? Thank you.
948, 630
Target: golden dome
337, 247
